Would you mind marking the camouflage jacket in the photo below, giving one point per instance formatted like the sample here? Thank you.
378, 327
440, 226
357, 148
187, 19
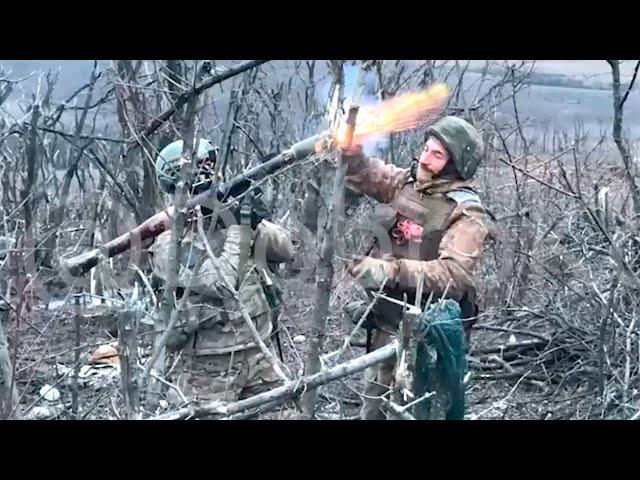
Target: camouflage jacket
220, 326
436, 230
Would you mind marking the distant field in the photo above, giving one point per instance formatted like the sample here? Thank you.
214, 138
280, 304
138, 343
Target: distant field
561, 106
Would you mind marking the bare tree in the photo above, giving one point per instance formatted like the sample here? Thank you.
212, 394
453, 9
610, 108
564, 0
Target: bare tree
8, 392
619, 100
324, 272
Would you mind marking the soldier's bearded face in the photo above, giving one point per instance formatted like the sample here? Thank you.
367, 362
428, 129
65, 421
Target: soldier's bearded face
433, 159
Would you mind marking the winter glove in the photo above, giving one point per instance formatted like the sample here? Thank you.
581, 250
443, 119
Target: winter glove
356, 309
371, 272
259, 211
354, 151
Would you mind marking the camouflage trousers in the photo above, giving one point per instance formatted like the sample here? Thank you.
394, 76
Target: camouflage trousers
227, 377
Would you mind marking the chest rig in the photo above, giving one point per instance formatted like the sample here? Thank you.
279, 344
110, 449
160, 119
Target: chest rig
415, 221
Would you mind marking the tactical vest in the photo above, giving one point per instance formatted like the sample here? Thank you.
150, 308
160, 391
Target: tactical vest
431, 212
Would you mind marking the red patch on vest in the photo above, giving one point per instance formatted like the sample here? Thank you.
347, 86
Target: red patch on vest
407, 230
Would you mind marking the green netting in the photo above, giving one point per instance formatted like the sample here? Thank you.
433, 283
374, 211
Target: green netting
441, 359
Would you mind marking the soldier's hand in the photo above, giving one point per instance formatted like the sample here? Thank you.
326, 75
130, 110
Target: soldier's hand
371, 272
353, 152
356, 309
325, 143
259, 211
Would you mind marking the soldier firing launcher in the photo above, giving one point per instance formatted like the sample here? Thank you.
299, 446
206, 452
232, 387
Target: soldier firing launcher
222, 192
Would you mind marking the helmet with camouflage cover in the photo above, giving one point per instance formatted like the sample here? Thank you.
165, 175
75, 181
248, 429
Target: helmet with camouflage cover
462, 140
168, 164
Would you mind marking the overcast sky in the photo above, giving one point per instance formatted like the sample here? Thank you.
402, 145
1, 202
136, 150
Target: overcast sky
567, 67
74, 73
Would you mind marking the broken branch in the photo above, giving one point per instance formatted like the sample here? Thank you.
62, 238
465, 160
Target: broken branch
290, 389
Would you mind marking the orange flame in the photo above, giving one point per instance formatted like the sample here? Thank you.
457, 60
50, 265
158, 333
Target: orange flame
401, 113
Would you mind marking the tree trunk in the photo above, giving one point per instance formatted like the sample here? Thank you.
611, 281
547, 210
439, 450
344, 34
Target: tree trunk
618, 109
27, 194
132, 111
127, 336
324, 272
230, 124
8, 395
179, 200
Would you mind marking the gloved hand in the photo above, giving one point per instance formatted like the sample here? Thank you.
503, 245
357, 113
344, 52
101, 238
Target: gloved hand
354, 158
370, 272
354, 155
327, 143
259, 210
356, 309
355, 150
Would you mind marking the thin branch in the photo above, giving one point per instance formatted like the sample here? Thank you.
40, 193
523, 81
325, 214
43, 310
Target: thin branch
99, 162
542, 182
253, 142
83, 137
185, 97
633, 79
290, 389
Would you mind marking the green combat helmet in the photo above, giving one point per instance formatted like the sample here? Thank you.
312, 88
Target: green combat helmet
168, 164
463, 142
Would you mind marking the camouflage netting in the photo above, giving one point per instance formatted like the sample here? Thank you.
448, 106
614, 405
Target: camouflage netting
441, 360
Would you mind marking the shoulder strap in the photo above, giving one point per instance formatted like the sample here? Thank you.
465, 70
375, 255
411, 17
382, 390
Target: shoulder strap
245, 237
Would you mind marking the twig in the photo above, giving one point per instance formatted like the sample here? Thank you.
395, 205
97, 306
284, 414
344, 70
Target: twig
115, 181
504, 400
97, 402
542, 182
253, 142
145, 280
76, 370
82, 137
186, 96
417, 400
267, 407
633, 79
338, 353
171, 386
627, 368
509, 346
396, 410
175, 314
506, 376
114, 409
512, 330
